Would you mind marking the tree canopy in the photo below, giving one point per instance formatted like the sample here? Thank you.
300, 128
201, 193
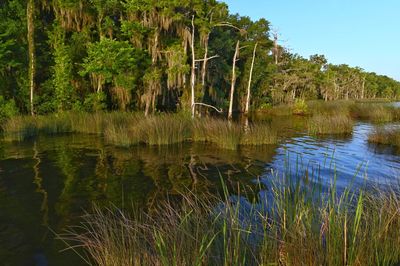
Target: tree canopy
152, 55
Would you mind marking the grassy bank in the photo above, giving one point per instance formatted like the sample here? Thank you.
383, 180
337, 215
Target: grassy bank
126, 129
293, 225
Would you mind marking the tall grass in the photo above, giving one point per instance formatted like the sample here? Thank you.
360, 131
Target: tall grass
293, 225
387, 136
230, 135
20, 128
165, 129
373, 112
335, 124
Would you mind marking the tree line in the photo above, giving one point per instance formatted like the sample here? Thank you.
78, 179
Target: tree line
158, 55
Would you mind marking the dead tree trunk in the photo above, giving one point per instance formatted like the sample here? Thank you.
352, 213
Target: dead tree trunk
193, 73
276, 48
205, 61
31, 50
246, 111
233, 82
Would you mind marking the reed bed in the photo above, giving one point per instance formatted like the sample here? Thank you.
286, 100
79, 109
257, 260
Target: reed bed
335, 124
386, 136
126, 129
20, 128
373, 112
294, 225
229, 135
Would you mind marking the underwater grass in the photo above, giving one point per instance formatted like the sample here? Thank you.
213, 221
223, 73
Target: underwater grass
295, 225
334, 124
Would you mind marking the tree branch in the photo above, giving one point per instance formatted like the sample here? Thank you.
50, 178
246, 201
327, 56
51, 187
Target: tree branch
209, 106
206, 59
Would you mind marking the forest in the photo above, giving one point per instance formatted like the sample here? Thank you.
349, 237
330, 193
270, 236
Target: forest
158, 56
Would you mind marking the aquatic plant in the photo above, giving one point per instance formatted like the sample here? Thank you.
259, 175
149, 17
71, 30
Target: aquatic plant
387, 136
372, 112
336, 124
19, 128
295, 223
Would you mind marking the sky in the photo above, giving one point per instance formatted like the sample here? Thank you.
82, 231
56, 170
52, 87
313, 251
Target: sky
364, 33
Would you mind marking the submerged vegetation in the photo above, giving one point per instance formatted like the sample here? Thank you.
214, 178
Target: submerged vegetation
293, 224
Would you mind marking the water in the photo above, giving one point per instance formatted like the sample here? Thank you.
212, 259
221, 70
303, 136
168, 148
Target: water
45, 185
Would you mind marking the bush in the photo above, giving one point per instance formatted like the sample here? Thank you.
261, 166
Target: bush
7, 109
300, 107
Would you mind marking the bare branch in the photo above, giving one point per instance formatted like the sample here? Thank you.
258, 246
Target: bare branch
206, 59
210, 106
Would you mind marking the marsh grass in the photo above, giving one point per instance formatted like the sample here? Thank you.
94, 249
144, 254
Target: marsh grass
386, 136
165, 129
297, 224
330, 107
259, 134
20, 128
335, 124
373, 112
223, 133
230, 135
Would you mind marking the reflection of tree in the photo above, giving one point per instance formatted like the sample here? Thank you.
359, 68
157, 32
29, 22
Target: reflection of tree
38, 181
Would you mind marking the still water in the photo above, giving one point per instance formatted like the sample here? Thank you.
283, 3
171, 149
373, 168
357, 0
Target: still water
46, 184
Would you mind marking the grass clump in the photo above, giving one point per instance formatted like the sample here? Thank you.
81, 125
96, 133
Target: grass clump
165, 129
20, 128
229, 135
126, 129
224, 134
337, 124
296, 225
259, 134
54, 124
372, 112
386, 136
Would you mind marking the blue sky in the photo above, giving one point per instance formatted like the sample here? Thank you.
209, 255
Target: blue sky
363, 33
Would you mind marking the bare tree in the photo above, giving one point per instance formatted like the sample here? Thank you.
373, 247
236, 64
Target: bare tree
233, 82
193, 73
30, 12
246, 111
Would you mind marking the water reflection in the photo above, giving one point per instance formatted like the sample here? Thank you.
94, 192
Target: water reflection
51, 181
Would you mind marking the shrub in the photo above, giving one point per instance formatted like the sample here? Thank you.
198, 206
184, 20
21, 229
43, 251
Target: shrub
7, 109
300, 107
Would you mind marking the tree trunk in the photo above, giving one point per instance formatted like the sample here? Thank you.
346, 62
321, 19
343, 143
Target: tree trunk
363, 88
246, 111
31, 50
233, 80
205, 60
193, 73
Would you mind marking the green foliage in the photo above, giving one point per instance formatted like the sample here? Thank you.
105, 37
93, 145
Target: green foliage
8, 109
95, 102
63, 75
137, 52
300, 107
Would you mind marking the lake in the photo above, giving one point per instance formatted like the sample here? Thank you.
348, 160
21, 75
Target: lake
47, 184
